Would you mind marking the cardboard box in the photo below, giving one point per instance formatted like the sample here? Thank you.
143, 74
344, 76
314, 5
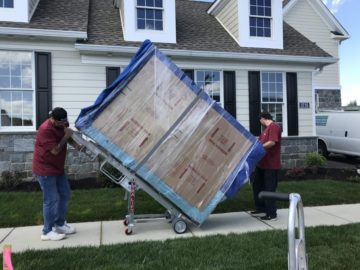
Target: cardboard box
144, 110
199, 155
159, 124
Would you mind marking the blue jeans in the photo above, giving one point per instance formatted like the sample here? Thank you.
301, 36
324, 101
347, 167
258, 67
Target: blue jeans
56, 195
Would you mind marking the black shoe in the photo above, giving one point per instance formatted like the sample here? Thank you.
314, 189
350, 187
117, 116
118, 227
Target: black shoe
257, 212
269, 218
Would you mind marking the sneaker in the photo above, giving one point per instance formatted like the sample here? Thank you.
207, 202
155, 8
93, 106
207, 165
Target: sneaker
64, 229
256, 212
53, 236
269, 218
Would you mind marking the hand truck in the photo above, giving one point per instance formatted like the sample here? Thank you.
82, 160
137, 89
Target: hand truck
131, 183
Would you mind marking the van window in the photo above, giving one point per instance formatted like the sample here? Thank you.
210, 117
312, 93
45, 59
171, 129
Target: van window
321, 120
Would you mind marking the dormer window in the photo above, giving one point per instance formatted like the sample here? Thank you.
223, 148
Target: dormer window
152, 19
149, 14
6, 3
260, 18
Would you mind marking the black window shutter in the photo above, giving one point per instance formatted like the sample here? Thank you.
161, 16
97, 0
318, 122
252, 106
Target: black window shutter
254, 102
42, 86
111, 74
230, 92
189, 73
292, 101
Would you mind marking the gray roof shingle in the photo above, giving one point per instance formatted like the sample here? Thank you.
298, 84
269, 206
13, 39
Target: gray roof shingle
64, 15
196, 29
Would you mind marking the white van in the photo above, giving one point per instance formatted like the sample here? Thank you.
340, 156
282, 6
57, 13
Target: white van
338, 132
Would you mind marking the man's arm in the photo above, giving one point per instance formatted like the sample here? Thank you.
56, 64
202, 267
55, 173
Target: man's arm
268, 144
74, 144
273, 137
57, 149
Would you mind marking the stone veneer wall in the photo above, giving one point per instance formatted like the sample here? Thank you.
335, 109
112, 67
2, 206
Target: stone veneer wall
16, 154
294, 149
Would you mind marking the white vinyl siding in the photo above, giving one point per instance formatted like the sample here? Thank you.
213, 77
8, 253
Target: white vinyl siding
242, 86
75, 85
242, 98
306, 120
308, 22
304, 95
228, 17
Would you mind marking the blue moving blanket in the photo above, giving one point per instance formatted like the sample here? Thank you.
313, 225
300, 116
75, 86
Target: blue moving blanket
161, 125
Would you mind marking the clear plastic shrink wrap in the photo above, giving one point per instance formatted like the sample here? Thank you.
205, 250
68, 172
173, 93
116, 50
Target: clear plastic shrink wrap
160, 125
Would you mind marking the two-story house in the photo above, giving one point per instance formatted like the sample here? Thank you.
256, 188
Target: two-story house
316, 22
242, 52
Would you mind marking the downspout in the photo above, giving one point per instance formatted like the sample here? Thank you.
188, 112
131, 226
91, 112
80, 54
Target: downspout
313, 98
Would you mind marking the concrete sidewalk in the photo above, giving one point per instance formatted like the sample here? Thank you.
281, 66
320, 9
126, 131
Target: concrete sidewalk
112, 232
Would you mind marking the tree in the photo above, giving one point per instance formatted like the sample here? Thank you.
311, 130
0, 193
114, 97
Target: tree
352, 103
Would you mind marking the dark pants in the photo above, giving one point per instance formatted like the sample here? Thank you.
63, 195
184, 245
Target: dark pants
265, 180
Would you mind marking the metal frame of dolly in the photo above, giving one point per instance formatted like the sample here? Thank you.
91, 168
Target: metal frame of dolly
131, 182
297, 257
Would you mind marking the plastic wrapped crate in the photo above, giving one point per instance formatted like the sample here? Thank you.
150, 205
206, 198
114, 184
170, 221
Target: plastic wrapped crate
160, 125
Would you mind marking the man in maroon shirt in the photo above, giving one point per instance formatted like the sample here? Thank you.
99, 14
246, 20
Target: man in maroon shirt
48, 166
266, 175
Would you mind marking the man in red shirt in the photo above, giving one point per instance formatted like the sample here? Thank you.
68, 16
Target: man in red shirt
48, 166
266, 175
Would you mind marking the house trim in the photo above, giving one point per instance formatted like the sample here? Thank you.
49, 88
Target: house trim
43, 33
275, 41
217, 6
33, 10
318, 61
329, 87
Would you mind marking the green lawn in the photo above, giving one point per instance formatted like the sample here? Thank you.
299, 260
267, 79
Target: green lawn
328, 248
25, 208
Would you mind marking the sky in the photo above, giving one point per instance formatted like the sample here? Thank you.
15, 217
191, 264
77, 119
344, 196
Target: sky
347, 13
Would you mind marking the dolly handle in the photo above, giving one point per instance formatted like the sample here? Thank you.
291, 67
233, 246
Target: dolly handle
277, 196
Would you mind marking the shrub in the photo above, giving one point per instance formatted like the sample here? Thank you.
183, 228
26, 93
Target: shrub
314, 160
10, 180
295, 173
354, 179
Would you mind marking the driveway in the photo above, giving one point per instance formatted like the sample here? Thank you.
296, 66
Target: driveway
342, 162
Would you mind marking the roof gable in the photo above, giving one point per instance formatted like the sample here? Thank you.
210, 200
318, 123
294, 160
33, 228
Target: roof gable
321, 9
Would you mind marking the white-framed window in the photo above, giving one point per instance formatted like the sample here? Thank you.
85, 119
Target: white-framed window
260, 18
150, 14
6, 3
273, 96
211, 82
17, 91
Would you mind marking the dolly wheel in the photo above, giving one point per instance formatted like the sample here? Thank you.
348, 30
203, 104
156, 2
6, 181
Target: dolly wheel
167, 214
126, 222
128, 232
179, 225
